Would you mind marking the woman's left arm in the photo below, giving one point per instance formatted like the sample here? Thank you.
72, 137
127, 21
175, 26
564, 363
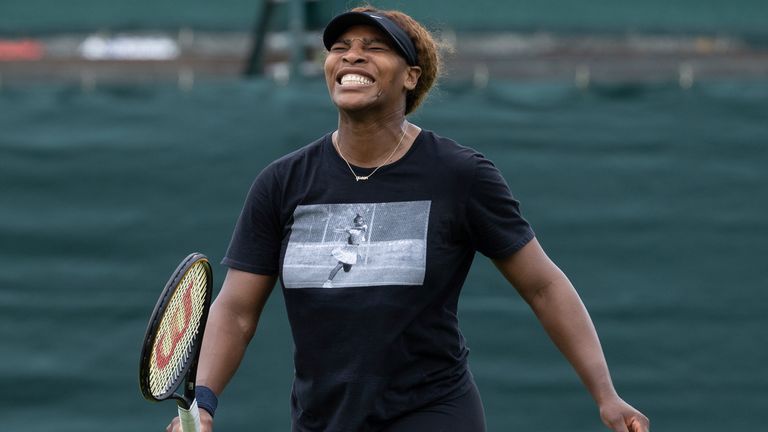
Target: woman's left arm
560, 310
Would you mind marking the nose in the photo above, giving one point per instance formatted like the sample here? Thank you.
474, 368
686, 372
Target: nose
356, 52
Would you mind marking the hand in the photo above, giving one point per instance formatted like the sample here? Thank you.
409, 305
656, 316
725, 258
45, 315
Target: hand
619, 416
206, 423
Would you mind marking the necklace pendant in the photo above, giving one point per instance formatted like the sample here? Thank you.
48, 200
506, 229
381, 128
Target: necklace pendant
358, 178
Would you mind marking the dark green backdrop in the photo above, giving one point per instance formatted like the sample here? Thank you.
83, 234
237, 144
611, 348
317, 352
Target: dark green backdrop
653, 200
733, 16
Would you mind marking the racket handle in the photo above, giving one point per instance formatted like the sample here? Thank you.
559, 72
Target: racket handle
190, 418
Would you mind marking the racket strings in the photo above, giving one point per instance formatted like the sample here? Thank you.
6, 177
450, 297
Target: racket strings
177, 331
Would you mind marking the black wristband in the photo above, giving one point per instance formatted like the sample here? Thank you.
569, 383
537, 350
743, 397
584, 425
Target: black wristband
206, 399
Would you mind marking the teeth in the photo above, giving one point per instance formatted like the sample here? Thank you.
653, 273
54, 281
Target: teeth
355, 79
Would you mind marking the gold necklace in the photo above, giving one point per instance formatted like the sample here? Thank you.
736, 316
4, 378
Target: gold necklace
358, 177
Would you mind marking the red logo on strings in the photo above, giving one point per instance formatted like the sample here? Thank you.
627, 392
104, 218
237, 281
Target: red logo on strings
163, 358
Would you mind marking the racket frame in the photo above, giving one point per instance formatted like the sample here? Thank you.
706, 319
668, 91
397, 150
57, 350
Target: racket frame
188, 373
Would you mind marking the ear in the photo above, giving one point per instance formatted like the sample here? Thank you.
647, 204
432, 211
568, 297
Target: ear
412, 77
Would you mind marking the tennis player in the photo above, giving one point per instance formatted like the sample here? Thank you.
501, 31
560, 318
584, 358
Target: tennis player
383, 350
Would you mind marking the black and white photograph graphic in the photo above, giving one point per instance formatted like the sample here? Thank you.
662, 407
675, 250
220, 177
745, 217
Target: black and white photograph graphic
353, 245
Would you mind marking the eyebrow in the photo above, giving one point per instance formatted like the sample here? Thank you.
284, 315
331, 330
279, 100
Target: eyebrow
365, 41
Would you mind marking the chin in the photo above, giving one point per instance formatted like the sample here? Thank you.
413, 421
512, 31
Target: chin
355, 103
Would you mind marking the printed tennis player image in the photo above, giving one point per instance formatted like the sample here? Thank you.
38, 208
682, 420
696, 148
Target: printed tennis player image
353, 245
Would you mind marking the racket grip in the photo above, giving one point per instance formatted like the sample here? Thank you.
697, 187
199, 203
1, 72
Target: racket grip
190, 418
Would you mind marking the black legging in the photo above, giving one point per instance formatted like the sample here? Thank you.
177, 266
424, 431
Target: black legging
462, 414
339, 266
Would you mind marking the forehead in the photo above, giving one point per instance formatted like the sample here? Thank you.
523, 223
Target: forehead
363, 32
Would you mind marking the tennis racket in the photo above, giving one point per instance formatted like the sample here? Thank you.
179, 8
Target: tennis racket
172, 341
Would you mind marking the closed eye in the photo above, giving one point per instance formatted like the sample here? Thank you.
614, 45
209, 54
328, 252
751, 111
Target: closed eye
375, 45
339, 47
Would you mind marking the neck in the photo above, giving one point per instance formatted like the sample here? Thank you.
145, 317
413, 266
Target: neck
368, 144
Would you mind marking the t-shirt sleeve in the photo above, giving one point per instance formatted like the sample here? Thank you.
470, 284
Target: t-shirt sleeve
255, 244
495, 225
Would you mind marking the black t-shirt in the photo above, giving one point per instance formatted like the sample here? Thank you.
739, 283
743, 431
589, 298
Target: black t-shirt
372, 270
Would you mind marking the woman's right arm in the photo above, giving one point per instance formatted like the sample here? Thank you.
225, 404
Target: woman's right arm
231, 324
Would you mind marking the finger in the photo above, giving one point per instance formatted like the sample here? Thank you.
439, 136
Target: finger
639, 424
172, 426
619, 425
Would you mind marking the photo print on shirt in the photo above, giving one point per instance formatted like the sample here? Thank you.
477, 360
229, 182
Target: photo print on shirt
354, 245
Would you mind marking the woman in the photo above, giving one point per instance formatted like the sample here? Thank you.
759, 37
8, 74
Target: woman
373, 357
348, 254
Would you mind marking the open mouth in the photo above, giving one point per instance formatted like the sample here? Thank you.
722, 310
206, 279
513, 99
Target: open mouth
352, 79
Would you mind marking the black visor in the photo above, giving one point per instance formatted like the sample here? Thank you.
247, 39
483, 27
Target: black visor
399, 37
